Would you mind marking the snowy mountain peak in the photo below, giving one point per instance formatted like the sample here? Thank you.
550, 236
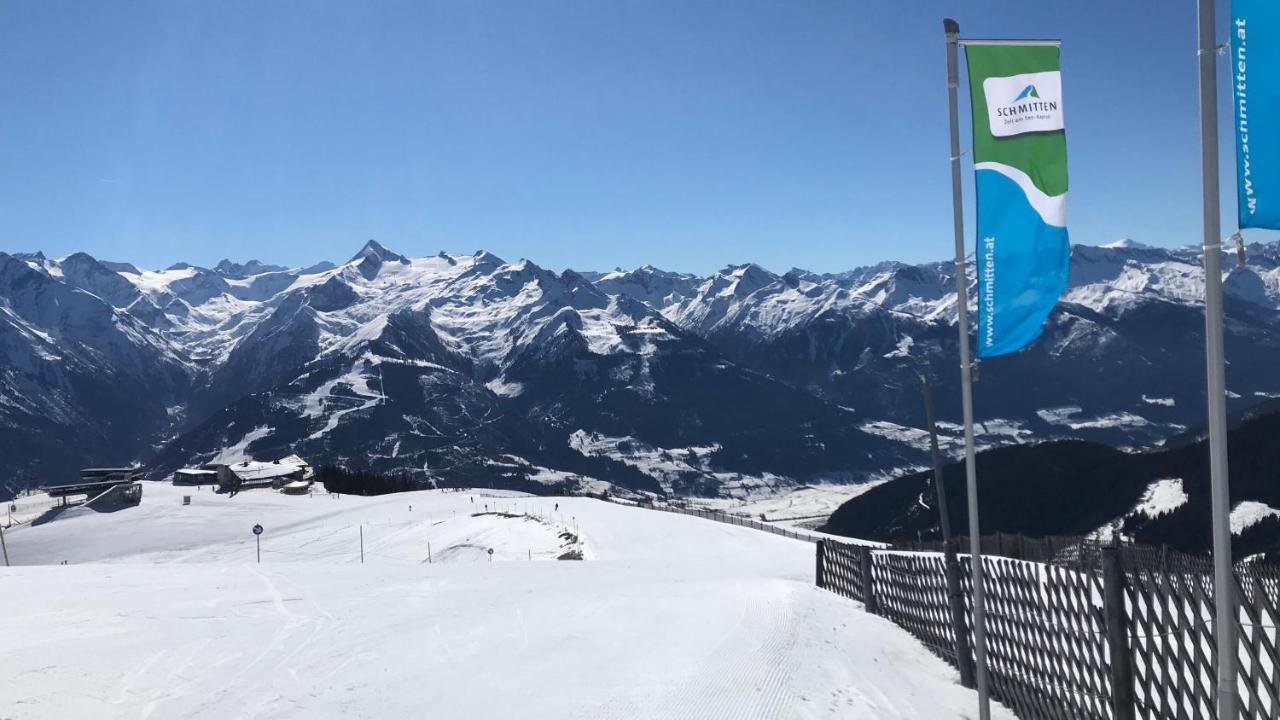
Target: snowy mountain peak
898, 286
372, 257
574, 280
650, 285
322, 266
121, 267
740, 280
243, 270
397, 360
1126, 244
484, 257
750, 271
373, 249
1246, 284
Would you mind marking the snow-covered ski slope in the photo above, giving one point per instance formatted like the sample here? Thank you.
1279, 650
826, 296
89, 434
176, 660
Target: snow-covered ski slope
162, 612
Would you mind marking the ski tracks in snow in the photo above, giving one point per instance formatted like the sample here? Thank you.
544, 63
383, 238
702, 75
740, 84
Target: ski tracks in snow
746, 673
296, 632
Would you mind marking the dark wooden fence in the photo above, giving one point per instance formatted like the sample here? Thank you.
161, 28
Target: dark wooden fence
1087, 632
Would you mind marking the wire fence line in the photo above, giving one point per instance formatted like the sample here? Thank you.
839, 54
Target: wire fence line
723, 517
1072, 551
1087, 631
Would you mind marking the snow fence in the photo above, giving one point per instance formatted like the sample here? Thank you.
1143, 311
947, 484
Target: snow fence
1110, 633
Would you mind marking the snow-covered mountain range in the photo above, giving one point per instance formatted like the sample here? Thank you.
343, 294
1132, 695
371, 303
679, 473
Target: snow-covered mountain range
467, 368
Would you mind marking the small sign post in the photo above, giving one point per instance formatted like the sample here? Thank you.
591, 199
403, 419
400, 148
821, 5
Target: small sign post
257, 536
490, 554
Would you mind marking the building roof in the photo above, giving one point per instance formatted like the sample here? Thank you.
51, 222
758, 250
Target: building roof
249, 470
84, 488
295, 460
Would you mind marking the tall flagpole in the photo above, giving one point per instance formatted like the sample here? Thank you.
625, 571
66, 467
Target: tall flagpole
1223, 581
952, 31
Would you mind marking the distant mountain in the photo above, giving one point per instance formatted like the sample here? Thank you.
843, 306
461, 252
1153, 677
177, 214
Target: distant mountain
1157, 497
244, 270
1120, 362
468, 368
80, 378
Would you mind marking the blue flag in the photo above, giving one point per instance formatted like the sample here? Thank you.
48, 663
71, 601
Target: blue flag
1020, 164
1255, 95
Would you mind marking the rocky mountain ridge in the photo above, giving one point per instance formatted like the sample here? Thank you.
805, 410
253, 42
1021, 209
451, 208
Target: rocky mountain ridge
467, 368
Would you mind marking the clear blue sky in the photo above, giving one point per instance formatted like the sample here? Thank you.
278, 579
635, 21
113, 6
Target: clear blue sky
581, 133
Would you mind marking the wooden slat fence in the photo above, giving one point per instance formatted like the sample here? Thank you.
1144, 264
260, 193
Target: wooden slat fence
1101, 634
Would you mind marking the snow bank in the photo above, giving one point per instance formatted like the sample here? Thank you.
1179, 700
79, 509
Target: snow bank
1162, 496
1249, 513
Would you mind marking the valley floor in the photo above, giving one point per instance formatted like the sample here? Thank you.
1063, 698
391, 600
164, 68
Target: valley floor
805, 506
162, 612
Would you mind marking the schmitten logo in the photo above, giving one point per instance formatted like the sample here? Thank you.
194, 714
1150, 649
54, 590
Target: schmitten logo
1030, 102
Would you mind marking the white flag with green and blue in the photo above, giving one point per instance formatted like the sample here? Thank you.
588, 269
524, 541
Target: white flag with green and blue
1020, 170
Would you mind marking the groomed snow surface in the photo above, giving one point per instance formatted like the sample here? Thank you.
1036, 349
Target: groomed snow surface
161, 612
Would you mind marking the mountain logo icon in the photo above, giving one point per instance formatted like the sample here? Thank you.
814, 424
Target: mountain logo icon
1028, 91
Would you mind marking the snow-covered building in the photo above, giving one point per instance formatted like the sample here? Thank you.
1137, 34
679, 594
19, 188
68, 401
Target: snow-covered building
249, 474
296, 487
307, 471
196, 476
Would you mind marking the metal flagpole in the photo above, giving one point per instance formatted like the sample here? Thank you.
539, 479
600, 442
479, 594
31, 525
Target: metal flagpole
952, 31
1223, 581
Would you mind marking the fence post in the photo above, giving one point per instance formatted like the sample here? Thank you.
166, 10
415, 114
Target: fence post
1122, 698
821, 560
960, 628
868, 588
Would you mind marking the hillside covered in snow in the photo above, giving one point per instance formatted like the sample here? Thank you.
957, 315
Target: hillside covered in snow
471, 369
162, 611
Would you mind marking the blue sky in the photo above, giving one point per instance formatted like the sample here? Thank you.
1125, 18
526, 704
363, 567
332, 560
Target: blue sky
583, 134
